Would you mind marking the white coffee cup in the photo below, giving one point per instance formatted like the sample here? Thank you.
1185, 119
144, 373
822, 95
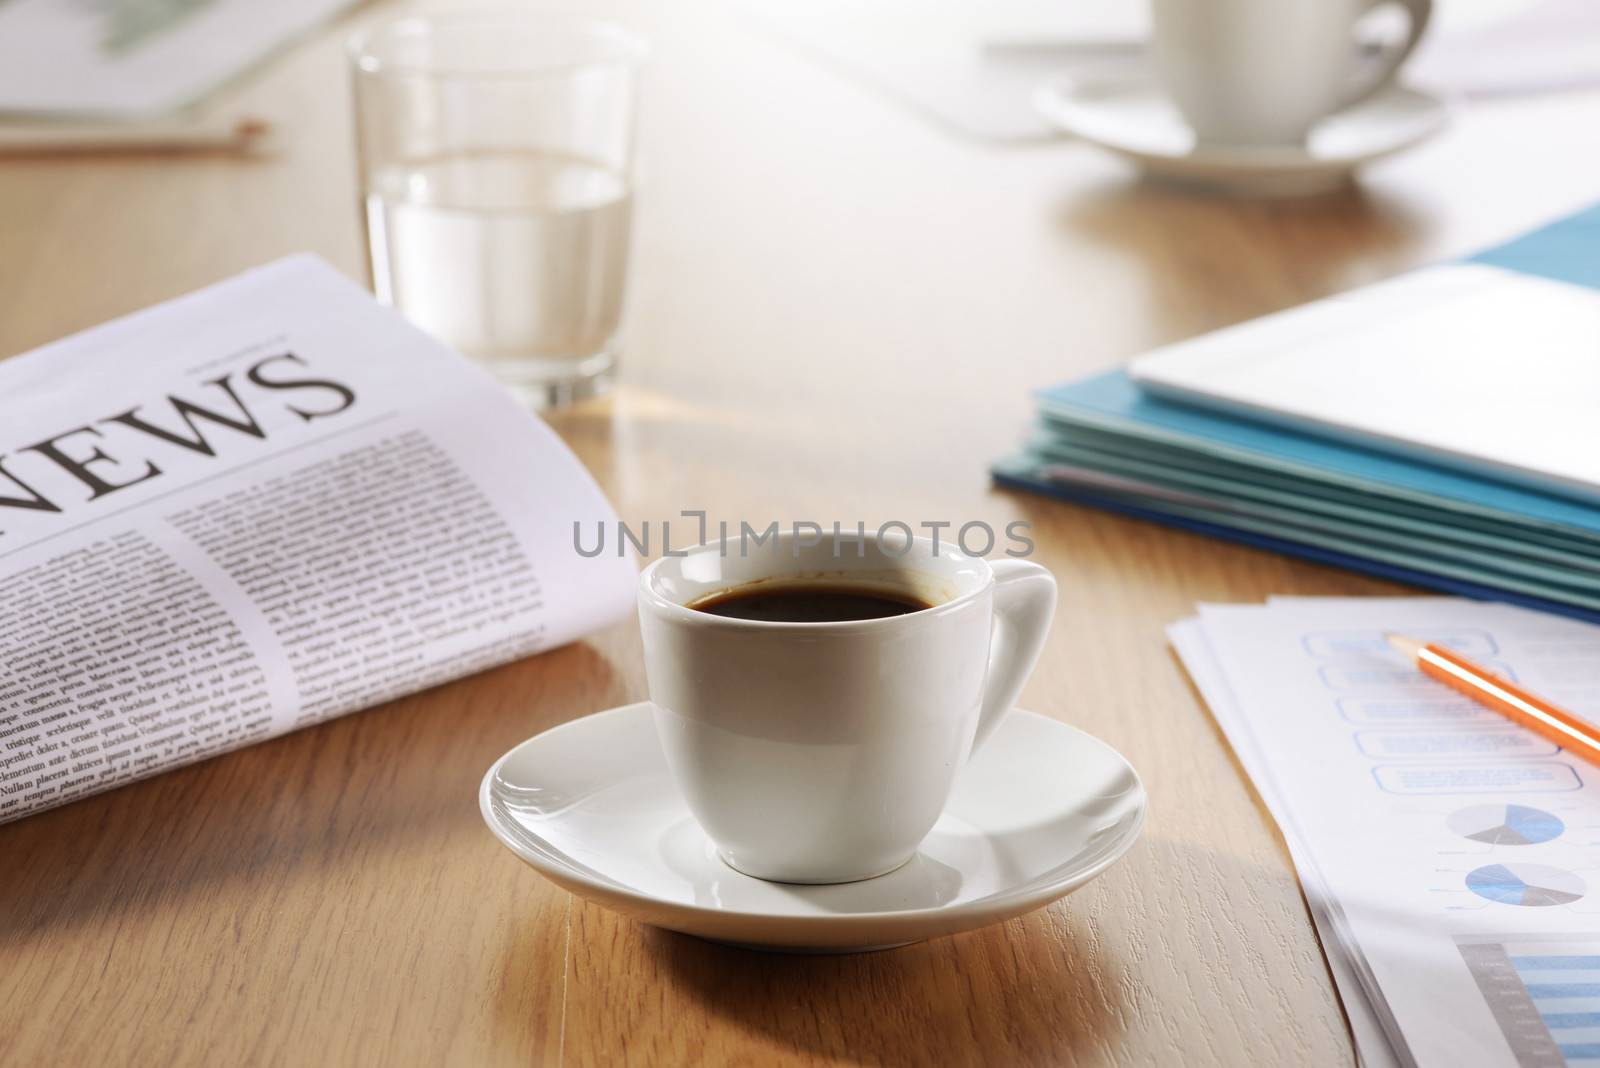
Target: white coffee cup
1263, 72
825, 752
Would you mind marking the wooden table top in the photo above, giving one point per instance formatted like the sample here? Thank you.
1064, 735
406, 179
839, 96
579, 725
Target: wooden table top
838, 311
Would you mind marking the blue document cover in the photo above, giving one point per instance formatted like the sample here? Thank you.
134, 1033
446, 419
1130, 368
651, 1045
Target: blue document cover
1104, 442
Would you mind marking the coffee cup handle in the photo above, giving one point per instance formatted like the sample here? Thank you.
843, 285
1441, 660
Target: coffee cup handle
1024, 602
1382, 70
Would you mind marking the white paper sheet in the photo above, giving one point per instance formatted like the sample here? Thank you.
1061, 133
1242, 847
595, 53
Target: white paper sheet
1458, 853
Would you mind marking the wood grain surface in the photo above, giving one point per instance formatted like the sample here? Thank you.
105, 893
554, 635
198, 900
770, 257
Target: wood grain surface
837, 312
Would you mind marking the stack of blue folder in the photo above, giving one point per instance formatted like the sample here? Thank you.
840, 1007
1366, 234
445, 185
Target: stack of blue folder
1102, 441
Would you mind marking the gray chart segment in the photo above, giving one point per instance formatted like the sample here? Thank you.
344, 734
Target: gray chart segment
1510, 825
1539, 895
1500, 836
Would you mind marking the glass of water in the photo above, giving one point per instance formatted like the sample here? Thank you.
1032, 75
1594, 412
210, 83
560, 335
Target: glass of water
496, 154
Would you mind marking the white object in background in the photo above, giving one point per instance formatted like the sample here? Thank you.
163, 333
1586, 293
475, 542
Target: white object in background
1262, 72
1041, 810
971, 68
1488, 370
137, 60
1137, 121
1528, 46
824, 752
975, 69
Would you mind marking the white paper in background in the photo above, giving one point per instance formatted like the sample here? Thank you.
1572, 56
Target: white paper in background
1519, 46
1460, 852
137, 58
970, 67
974, 67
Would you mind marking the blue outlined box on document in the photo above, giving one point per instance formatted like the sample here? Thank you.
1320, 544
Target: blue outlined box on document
1407, 711
1530, 778
1334, 644
1369, 676
1510, 741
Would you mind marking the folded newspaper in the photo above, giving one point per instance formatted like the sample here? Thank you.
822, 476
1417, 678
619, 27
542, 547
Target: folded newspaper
254, 508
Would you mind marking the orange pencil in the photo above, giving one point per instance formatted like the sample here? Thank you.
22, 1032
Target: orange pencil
1571, 732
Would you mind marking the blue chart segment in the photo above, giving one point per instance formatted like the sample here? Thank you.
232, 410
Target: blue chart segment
1544, 992
1506, 824
1525, 884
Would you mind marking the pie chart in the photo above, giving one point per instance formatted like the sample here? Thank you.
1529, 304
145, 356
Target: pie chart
1525, 884
1505, 824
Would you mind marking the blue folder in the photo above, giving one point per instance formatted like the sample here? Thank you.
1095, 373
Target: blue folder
1102, 441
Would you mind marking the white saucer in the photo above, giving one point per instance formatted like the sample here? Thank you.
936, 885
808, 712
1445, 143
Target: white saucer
1136, 120
1042, 809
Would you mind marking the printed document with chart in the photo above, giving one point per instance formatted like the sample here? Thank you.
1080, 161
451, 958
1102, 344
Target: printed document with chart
1451, 857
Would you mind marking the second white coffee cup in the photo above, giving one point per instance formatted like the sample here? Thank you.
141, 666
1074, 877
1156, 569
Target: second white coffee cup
824, 752
1263, 72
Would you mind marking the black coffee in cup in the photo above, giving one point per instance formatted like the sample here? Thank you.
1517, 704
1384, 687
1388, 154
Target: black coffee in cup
807, 603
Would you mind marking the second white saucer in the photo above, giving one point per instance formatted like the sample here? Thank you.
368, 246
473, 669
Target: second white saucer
1041, 809
1136, 120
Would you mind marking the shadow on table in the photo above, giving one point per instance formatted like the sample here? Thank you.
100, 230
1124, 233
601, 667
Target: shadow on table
1162, 948
325, 801
1210, 259
1028, 991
